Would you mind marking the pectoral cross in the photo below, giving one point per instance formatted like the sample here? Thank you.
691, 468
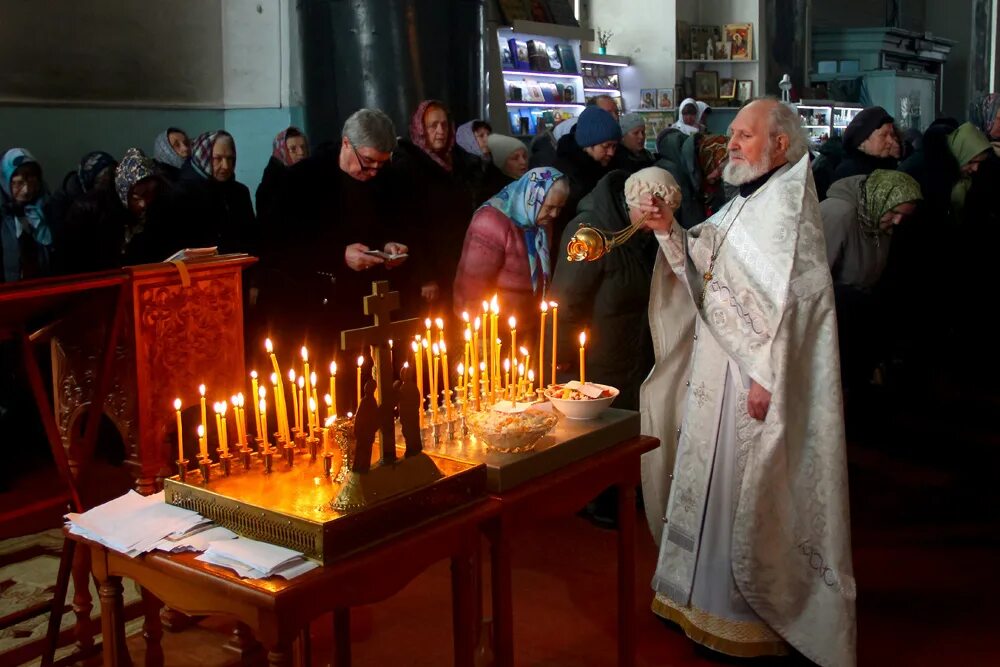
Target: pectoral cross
379, 304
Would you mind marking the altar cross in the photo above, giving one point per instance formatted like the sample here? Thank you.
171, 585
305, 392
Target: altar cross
379, 304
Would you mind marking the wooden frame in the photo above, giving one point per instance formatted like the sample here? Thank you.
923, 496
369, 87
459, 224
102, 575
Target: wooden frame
647, 98
727, 89
706, 85
740, 36
665, 95
744, 90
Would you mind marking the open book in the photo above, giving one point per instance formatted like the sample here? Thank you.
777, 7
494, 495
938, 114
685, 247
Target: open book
193, 253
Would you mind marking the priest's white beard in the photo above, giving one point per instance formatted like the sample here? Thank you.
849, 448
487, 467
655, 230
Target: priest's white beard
738, 173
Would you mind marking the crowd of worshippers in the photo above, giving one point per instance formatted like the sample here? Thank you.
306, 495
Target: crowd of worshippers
453, 212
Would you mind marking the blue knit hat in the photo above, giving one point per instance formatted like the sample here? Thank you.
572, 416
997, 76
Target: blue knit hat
595, 126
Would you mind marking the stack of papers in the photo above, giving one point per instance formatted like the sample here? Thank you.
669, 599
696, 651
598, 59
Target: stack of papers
135, 524
257, 560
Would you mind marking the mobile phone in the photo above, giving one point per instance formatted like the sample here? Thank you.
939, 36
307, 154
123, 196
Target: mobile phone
384, 255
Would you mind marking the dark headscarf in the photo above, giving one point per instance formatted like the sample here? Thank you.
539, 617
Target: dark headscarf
881, 192
201, 151
418, 134
864, 123
91, 166
134, 167
164, 152
983, 111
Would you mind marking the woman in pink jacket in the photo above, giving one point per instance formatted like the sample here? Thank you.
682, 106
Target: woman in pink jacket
507, 245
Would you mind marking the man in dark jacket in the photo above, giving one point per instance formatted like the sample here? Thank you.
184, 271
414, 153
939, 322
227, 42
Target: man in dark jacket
584, 156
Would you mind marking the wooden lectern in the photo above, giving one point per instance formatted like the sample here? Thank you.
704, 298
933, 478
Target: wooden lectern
183, 326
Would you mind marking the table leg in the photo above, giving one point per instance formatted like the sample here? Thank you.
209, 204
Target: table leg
342, 637
303, 647
465, 616
500, 591
83, 605
243, 643
152, 629
626, 575
113, 623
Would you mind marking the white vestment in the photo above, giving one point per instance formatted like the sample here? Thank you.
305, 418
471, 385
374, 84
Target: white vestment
752, 516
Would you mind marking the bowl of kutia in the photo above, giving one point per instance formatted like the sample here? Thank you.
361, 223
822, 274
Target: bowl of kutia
581, 401
511, 432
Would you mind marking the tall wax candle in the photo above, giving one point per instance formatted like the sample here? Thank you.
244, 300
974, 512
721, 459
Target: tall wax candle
314, 411
295, 398
583, 360
439, 324
445, 372
223, 411
512, 322
204, 411
262, 406
180, 430
541, 341
305, 373
434, 378
361, 363
256, 408
303, 392
419, 370
555, 338
202, 442
333, 385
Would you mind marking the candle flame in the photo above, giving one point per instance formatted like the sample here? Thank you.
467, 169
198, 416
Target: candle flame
240, 400
329, 422
177, 404
262, 405
223, 408
506, 365
512, 321
268, 345
468, 335
406, 364
583, 339
201, 389
520, 369
482, 366
553, 304
305, 353
328, 400
262, 392
478, 323
302, 382
312, 404
439, 323
495, 305
427, 323
486, 307
531, 375
423, 341
253, 374
461, 368
545, 307
312, 379
443, 349
333, 368
274, 378
216, 409
415, 347
435, 349
390, 343
361, 361
201, 430
291, 375
465, 316
234, 400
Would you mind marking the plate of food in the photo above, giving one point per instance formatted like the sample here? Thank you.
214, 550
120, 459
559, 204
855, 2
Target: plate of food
511, 432
581, 400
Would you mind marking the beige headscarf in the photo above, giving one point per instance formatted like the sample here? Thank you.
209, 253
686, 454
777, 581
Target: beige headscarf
652, 181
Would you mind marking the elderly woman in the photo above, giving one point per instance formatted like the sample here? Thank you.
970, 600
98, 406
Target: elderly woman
870, 143
692, 118
507, 246
509, 162
290, 147
441, 197
218, 207
472, 138
26, 233
170, 149
632, 154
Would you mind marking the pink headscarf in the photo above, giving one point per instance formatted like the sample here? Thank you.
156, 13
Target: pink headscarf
418, 133
279, 150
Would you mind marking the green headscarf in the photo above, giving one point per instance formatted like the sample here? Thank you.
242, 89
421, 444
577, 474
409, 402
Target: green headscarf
965, 143
881, 192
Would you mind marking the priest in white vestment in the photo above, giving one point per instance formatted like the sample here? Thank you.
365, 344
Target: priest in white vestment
747, 494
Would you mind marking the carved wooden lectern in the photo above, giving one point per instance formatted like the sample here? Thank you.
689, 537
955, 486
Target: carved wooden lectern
183, 326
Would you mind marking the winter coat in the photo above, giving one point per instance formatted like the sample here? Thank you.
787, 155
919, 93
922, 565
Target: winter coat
493, 181
215, 213
582, 171
855, 259
831, 153
670, 146
631, 162
856, 163
608, 298
267, 193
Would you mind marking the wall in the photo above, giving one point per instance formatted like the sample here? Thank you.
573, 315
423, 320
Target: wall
111, 74
953, 20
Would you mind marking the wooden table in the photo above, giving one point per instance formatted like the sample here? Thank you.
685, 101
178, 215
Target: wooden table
557, 494
276, 610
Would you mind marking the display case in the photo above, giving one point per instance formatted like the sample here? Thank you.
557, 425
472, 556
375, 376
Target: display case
539, 76
825, 119
601, 76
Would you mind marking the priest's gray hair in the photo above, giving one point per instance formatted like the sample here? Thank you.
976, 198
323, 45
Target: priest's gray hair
783, 120
371, 128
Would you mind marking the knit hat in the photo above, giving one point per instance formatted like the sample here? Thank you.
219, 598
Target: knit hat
867, 121
501, 147
653, 181
595, 126
630, 121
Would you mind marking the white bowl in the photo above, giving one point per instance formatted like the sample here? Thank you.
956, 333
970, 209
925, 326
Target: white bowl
511, 432
583, 409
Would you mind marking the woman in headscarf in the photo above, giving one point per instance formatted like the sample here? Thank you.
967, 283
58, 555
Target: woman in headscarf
870, 143
96, 172
171, 149
290, 147
692, 116
508, 162
217, 207
441, 196
984, 113
472, 138
632, 154
860, 215
508, 245
26, 232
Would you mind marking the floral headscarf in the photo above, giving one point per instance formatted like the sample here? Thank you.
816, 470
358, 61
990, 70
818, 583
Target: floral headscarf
33, 212
418, 134
882, 191
164, 152
983, 111
466, 139
134, 167
521, 201
279, 149
91, 167
201, 151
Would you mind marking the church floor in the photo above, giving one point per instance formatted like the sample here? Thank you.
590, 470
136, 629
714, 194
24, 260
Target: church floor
926, 548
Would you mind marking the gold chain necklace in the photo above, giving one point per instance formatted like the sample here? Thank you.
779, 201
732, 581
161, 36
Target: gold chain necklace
708, 275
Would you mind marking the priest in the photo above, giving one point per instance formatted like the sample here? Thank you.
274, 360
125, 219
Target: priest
747, 494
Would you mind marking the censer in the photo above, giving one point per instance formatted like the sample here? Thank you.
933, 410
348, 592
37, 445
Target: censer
589, 243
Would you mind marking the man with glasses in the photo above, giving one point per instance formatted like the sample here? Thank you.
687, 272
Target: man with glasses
335, 209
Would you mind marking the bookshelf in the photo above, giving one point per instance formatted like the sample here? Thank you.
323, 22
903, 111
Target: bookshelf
529, 92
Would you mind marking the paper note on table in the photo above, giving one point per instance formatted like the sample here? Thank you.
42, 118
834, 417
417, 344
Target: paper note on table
589, 390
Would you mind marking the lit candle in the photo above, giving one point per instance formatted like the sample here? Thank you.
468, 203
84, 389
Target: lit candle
276, 388
555, 338
445, 372
241, 400
524, 366
434, 378
531, 383
235, 402
520, 380
223, 409
295, 399
465, 353
180, 430
303, 392
305, 373
583, 361
361, 362
486, 322
439, 323
256, 408
541, 341
202, 442
217, 408
392, 366
330, 414
494, 335
281, 408
513, 345
204, 411
312, 409
427, 326
262, 406
475, 360
420, 377
462, 384
314, 412
333, 385
506, 372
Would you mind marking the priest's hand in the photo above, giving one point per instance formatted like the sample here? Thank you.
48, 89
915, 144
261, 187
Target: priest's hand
357, 260
393, 248
659, 215
758, 401
430, 292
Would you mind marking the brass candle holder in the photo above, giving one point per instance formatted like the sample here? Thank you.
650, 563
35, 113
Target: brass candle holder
225, 462
182, 465
312, 444
205, 467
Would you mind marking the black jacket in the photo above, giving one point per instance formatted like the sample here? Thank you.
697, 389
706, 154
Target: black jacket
215, 213
266, 197
583, 173
631, 162
608, 297
856, 163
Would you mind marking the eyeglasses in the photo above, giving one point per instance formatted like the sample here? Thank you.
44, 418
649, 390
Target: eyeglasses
367, 164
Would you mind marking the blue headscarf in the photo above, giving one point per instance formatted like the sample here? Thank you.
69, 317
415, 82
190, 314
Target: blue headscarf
521, 201
33, 211
164, 152
466, 138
